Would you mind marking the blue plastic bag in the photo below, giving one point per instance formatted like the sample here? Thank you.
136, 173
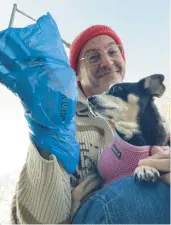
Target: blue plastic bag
35, 67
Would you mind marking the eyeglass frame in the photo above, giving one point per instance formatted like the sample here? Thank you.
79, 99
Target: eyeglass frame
120, 47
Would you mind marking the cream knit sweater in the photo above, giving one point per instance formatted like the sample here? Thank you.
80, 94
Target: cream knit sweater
43, 192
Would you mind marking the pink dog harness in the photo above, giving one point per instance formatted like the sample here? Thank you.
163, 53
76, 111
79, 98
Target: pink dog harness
120, 159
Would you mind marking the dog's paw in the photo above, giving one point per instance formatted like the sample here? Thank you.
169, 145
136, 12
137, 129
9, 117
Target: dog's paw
146, 173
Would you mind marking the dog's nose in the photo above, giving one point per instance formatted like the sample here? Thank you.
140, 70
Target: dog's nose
91, 98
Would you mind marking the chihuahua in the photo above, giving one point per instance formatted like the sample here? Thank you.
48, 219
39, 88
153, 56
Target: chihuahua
138, 125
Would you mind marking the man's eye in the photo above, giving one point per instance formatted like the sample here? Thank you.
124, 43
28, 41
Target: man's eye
93, 56
112, 53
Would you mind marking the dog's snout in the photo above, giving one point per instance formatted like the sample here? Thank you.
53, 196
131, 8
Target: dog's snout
91, 99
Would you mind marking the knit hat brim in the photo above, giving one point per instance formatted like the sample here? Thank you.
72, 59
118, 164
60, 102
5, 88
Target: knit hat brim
85, 36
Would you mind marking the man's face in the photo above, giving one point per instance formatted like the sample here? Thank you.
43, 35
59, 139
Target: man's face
100, 64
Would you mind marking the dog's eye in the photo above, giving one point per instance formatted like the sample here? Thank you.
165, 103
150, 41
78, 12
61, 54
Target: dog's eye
115, 89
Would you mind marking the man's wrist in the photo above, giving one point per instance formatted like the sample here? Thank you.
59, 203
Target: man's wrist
44, 154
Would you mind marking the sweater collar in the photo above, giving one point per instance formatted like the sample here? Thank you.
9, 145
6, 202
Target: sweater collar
81, 97
82, 105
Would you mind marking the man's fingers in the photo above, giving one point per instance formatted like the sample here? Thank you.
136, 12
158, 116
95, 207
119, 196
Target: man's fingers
159, 155
159, 164
166, 178
156, 149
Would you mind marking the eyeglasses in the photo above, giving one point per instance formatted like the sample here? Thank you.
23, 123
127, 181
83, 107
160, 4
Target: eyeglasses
94, 56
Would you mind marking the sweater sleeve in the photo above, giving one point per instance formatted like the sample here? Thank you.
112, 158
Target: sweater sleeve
43, 193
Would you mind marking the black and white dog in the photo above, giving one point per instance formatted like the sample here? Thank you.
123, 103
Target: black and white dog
137, 122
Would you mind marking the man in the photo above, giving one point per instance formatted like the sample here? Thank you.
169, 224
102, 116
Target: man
43, 193
98, 57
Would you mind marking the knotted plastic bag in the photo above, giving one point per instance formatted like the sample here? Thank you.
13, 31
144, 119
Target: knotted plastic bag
35, 67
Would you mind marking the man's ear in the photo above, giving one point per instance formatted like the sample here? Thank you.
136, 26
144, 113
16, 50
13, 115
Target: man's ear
153, 85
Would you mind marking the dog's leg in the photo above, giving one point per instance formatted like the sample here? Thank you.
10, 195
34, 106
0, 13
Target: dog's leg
85, 187
146, 173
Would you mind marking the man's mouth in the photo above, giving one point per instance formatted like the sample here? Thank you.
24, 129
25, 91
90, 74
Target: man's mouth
108, 73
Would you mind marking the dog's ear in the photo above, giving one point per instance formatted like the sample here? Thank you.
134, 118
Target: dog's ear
153, 85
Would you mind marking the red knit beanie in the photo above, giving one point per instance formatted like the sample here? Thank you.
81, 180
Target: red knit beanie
85, 36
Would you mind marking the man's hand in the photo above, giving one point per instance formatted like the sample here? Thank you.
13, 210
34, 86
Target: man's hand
160, 160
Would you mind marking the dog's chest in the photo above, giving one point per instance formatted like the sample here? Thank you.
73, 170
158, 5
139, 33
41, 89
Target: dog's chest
120, 159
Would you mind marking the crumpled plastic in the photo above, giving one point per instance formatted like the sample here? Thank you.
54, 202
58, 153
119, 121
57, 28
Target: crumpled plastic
35, 67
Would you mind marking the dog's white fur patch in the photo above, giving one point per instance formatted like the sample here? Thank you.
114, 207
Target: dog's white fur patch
133, 99
124, 114
146, 173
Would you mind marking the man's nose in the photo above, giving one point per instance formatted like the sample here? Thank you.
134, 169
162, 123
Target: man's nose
106, 61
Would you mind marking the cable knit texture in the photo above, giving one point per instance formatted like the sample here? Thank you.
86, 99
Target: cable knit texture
43, 192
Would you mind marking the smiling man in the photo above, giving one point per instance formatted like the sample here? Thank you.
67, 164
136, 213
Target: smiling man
43, 193
101, 61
